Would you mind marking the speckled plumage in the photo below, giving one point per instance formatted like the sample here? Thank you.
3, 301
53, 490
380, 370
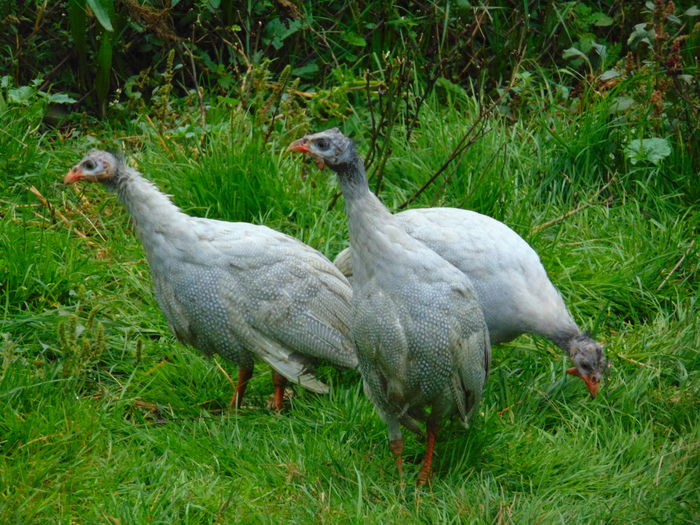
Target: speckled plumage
420, 334
512, 285
244, 291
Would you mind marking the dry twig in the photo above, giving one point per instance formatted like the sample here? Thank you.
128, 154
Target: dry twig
569, 213
678, 265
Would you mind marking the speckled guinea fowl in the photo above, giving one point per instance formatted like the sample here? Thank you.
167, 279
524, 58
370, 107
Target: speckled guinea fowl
420, 334
512, 285
244, 291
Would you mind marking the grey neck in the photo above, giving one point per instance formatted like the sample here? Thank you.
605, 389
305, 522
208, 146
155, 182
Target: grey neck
361, 205
158, 221
565, 338
368, 220
352, 178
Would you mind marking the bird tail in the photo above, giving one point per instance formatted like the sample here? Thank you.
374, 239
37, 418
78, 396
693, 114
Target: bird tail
343, 262
297, 372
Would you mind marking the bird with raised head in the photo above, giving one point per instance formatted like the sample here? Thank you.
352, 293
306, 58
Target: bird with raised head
421, 338
243, 291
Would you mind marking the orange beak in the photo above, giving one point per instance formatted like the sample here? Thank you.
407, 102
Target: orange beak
299, 146
302, 146
72, 176
591, 384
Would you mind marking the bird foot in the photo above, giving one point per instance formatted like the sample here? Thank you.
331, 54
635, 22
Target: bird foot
279, 401
244, 375
424, 476
396, 447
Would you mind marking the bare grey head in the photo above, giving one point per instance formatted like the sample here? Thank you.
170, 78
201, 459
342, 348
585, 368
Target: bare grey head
96, 166
328, 148
589, 361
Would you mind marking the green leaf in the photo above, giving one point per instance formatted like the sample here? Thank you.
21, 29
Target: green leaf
608, 75
692, 11
572, 52
600, 20
653, 150
600, 49
60, 98
104, 69
276, 31
354, 39
22, 95
451, 87
621, 104
101, 9
76, 19
307, 71
641, 34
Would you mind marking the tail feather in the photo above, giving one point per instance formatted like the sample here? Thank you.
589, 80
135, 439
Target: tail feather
297, 373
343, 262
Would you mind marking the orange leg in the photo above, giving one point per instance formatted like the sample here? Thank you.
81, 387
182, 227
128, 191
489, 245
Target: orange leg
280, 382
426, 470
396, 447
244, 374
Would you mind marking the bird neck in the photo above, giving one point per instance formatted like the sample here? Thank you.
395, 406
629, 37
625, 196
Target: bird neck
363, 207
369, 221
565, 338
155, 217
352, 179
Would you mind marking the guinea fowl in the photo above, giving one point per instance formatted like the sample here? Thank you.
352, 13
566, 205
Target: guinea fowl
244, 291
419, 331
514, 291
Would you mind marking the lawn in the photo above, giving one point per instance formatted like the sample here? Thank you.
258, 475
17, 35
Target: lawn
106, 418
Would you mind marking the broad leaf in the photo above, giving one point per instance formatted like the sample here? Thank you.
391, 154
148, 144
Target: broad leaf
653, 150
621, 104
101, 9
608, 75
641, 34
307, 71
572, 52
61, 98
354, 39
600, 20
22, 95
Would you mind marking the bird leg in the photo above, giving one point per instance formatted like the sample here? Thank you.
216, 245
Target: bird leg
280, 382
396, 447
426, 469
244, 374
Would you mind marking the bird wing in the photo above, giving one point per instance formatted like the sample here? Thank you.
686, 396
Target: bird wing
471, 357
382, 347
513, 287
286, 291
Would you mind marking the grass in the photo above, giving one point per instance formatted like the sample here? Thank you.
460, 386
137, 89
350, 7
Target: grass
106, 418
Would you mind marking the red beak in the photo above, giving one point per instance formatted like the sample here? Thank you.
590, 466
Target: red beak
302, 146
299, 146
591, 384
72, 176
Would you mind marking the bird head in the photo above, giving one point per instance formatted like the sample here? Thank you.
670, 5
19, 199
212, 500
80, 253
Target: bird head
96, 166
589, 361
327, 148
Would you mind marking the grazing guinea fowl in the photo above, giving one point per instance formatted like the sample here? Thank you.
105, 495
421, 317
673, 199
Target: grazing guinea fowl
419, 331
244, 291
512, 285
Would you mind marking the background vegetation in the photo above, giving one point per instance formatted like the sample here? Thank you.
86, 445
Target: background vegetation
575, 123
